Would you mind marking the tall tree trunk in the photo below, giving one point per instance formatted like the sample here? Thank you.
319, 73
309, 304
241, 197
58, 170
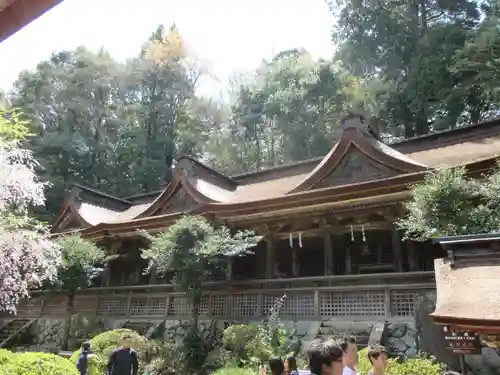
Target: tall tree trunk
67, 321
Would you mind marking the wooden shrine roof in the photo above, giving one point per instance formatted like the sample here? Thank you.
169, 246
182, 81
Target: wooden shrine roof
15, 14
468, 294
358, 167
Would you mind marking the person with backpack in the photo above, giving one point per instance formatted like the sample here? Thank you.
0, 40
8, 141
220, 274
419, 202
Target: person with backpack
123, 361
86, 362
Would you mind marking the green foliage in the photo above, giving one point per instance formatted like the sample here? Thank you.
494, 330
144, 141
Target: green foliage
193, 249
81, 260
412, 366
36, 364
449, 203
12, 127
105, 343
235, 371
255, 343
155, 357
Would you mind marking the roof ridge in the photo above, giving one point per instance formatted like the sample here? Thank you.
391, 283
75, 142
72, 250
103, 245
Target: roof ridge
203, 165
102, 194
490, 122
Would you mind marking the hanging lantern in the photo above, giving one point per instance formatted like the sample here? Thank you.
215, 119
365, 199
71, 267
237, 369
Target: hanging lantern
300, 239
352, 234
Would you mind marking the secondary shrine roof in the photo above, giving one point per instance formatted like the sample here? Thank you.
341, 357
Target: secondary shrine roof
358, 168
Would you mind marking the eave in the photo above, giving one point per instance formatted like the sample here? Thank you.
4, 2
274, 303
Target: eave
18, 13
342, 198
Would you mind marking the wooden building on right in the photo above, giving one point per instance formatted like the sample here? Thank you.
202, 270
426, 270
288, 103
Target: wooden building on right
468, 286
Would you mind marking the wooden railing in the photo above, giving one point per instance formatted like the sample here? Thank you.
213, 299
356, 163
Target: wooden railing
365, 297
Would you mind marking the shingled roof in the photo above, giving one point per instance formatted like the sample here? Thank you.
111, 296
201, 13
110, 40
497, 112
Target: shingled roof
358, 161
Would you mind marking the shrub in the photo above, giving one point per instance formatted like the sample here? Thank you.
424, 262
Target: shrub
105, 343
234, 371
5, 356
35, 364
155, 357
412, 366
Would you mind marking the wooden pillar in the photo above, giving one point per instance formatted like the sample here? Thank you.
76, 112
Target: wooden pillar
396, 249
229, 268
270, 257
153, 276
348, 261
295, 263
328, 250
412, 256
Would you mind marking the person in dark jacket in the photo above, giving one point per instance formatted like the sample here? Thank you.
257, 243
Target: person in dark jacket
123, 361
84, 358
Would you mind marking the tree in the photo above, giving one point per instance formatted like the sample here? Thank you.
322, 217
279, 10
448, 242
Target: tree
81, 264
289, 112
448, 203
409, 47
192, 249
27, 256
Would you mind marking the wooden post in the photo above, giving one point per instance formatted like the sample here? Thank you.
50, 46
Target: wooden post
396, 249
229, 268
387, 302
348, 261
295, 263
412, 257
328, 251
317, 304
270, 257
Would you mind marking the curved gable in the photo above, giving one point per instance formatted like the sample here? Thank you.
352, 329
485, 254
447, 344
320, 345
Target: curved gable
357, 157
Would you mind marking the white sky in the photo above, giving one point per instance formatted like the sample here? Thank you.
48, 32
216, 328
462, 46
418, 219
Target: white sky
226, 35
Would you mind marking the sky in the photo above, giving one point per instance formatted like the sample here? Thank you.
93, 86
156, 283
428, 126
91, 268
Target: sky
227, 36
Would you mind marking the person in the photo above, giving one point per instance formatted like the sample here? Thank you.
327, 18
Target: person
325, 357
86, 360
349, 356
291, 366
123, 361
377, 355
276, 366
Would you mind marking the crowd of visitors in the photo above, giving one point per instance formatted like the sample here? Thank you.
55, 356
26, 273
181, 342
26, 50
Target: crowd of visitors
325, 357
329, 357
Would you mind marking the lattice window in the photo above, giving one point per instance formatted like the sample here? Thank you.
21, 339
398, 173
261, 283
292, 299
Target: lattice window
203, 309
369, 303
85, 304
179, 306
220, 305
29, 308
243, 305
403, 302
300, 304
55, 306
144, 306
112, 306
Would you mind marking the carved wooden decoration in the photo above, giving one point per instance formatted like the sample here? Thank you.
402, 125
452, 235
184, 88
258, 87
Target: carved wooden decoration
355, 166
180, 201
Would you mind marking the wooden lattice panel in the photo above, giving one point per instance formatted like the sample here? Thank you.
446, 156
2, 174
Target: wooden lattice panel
243, 305
403, 302
55, 306
148, 306
179, 306
295, 305
112, 306
362, 303
29, 308
85, 305
220, 305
